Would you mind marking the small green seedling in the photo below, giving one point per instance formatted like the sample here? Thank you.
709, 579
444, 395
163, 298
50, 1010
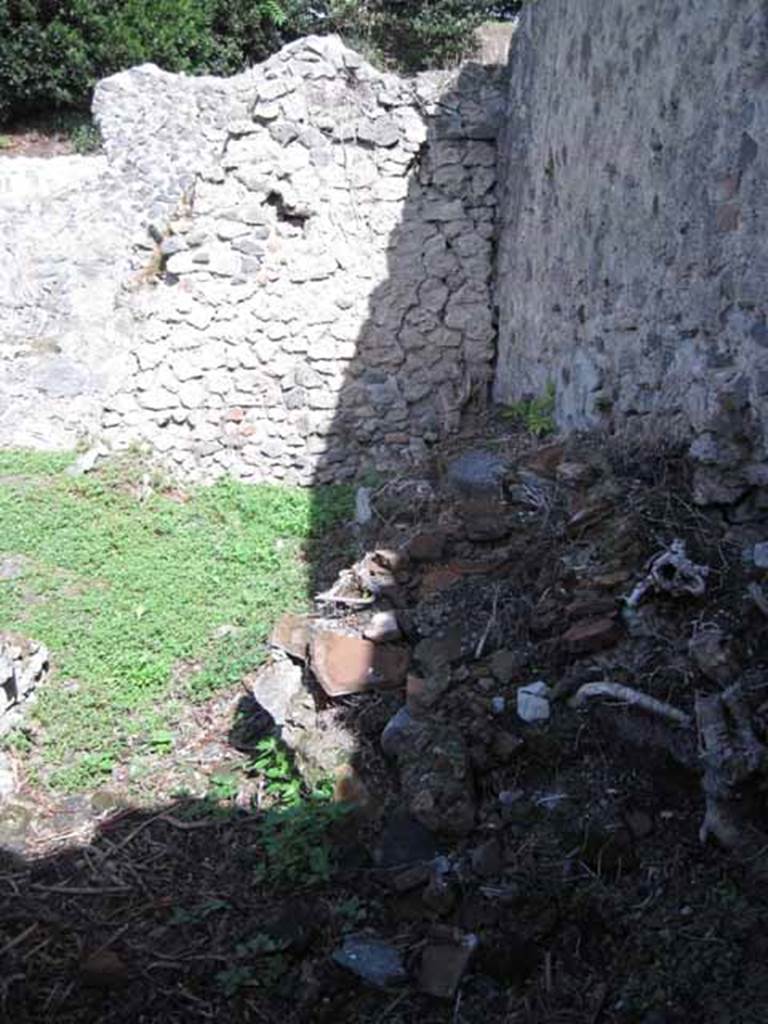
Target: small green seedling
536, 414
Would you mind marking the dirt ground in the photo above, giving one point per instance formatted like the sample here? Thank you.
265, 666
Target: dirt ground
581, 887
28, 140
45, 135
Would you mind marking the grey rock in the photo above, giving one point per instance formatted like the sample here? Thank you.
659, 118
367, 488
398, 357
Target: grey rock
383, 627
397, 732
404, 840
8, 776
375, 961
13, 566
87, 461
443, 965
476, 473
275, 686
760, 555
487, 859
711, 650
506, 664
533, 702
23, 669
174, 244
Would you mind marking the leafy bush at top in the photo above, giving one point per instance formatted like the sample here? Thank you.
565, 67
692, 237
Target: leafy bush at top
413, 34
52, 52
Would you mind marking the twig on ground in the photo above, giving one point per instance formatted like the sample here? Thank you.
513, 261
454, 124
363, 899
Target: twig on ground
81, 890
19, 939
634, 698
489, 626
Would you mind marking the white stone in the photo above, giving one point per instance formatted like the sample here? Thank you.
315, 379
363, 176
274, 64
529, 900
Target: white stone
148, 356
192, 394
187, 366
157, 399
533, 702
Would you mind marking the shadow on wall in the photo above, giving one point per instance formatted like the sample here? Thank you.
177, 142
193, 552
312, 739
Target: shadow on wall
426, 346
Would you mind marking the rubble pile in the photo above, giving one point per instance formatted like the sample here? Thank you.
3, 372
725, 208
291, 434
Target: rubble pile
539, 612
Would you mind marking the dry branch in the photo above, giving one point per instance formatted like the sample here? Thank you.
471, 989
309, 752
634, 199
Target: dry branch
634, 698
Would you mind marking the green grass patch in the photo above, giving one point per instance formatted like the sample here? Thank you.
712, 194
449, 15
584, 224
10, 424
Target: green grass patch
14, 461
122, 590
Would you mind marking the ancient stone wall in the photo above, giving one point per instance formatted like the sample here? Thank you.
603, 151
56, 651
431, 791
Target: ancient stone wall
285, 275
325, 292
634, 238
68, 246
62, 238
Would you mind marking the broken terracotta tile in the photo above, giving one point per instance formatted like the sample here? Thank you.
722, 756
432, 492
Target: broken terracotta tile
438, 580
291, 634
350, 664
546, 460
591, 635
443, 965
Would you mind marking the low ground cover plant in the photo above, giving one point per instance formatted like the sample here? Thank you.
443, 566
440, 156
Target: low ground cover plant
123, 587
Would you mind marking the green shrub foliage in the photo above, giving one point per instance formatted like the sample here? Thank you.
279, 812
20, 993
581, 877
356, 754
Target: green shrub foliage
53, 51
413, 35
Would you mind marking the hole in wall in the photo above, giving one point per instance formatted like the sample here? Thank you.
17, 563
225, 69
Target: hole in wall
284, 212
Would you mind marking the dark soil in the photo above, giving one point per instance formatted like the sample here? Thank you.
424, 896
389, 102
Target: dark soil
584, 882
45, 135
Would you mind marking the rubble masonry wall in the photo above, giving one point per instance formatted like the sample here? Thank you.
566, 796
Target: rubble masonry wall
633, 227
299, 260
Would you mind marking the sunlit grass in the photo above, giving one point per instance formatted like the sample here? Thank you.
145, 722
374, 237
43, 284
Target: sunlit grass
122, 589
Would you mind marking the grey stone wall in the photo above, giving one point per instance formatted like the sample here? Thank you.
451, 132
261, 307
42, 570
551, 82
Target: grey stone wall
634, 237
285, 275
63, 240
325, 302
67, 248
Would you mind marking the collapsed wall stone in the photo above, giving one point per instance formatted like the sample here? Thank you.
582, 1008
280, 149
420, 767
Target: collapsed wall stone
633, 257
